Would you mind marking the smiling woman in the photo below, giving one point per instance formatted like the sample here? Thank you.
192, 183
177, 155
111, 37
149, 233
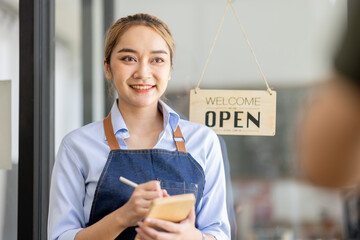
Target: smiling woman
143, 140
140, 67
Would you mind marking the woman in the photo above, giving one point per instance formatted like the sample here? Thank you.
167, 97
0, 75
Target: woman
143, 140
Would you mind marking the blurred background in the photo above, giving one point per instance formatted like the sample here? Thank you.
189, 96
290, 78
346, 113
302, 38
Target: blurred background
294, 41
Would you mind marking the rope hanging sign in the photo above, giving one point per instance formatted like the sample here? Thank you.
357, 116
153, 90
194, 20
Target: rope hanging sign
234, 112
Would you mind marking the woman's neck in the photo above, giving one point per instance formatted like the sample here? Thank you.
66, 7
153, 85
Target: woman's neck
144, 125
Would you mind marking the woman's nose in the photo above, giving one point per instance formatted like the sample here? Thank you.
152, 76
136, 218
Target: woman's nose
142, 71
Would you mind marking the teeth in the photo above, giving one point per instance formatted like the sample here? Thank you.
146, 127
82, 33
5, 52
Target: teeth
141, 87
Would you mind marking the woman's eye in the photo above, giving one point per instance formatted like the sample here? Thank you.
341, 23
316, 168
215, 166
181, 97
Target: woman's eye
158, 60
129, 59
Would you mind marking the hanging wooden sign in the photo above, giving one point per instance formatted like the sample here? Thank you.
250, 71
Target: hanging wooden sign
235, 112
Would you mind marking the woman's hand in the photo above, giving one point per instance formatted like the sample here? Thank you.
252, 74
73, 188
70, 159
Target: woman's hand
128, 215
185, 230
138, 205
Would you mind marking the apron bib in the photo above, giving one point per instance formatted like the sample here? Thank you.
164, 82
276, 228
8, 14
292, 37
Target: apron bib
177, 171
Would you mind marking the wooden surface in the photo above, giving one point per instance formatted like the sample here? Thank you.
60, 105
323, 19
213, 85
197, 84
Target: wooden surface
235, 112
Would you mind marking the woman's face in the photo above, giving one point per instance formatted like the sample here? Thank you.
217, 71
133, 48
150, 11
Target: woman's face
140, 67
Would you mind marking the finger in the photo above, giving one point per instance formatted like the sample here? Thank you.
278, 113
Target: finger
151, 185
142, 235
166, 225
192, 216
149, 195
141, 211
138, 207
140, 201
165, 193
148, 233
146, 194
137, 237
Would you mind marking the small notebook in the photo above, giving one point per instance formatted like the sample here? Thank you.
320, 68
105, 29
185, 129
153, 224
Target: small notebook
174, 208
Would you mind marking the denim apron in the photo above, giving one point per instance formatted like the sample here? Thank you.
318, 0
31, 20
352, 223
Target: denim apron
177, 171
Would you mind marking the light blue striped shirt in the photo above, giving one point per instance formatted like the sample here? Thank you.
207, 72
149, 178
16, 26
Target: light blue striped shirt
82, 156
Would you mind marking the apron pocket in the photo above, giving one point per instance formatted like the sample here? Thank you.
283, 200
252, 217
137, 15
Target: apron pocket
176, 188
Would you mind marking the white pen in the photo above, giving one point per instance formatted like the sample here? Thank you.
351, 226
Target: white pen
128, 182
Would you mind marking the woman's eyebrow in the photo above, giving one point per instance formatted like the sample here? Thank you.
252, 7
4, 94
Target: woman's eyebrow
159, 51
134, 51
127, 50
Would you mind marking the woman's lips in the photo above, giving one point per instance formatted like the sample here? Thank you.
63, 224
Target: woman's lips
142, 88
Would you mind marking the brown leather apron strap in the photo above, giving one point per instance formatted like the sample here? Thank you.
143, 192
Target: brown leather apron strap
180, 145
114, 144
109, 133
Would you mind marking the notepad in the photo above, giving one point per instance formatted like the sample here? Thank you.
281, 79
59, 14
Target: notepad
174, 208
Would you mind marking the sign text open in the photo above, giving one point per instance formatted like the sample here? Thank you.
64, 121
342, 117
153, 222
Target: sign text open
235, 112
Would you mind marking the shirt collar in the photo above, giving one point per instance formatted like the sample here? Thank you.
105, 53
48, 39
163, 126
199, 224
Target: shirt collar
118, 122
169, 115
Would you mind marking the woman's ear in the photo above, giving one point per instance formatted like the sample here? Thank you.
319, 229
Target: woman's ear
107, 69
